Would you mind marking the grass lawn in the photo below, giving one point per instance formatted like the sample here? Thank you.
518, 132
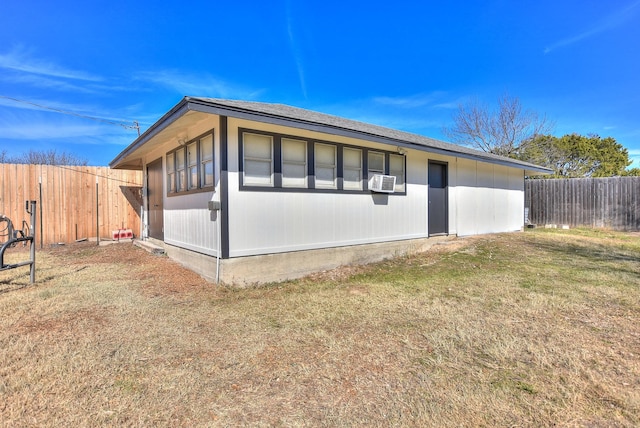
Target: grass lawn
540, 328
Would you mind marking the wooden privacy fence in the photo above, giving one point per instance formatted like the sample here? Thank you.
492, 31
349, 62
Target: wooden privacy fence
612, 203
73, 202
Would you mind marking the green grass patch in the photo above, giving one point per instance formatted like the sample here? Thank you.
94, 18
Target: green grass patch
526, 329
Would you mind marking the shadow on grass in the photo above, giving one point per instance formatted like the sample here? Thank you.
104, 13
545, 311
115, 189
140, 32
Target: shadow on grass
591, 256
8, 289
18, 285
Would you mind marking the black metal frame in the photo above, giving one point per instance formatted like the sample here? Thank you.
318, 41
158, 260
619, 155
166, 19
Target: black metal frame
17, 236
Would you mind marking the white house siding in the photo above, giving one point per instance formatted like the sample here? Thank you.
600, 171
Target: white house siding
483, 198
189, 224
489, 198
264, 222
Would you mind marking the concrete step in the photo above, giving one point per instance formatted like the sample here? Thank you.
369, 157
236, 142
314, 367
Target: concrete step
148, 246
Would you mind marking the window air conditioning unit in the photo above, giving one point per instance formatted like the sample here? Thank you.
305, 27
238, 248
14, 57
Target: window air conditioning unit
382, 183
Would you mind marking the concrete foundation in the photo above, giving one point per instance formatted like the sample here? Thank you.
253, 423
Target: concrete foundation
254, 270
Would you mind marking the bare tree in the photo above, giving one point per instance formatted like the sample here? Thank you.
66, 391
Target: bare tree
48, 157
502, 132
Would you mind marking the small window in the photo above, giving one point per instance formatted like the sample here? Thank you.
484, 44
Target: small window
396, 167
325, 166
206, 161
192, 161
294, 163
258, 159
352, 169
180, 171
375, 163
171, 172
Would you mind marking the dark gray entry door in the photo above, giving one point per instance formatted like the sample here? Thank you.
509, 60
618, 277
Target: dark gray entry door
437, 212
154, 198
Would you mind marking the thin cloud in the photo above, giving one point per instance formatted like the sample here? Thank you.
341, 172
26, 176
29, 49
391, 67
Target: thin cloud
204, 85
72, 110
33, 128
412, 101
46, 82
432, 99
19, 60
43, 129
614, 20
416, 121
295, 51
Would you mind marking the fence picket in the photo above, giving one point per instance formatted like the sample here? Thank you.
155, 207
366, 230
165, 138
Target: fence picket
592, 202
68, 200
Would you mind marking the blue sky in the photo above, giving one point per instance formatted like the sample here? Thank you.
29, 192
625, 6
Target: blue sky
405, 64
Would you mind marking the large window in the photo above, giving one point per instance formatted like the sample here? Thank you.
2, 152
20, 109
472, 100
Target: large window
352, 168
294, 163
290, 163
258, 160
326, 166
190, 167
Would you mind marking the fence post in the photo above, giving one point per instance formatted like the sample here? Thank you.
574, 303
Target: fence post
97, 213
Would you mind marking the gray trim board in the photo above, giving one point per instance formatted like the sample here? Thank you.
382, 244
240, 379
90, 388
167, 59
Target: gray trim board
224, 187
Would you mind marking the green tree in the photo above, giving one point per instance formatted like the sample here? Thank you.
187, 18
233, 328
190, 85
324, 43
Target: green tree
574, 155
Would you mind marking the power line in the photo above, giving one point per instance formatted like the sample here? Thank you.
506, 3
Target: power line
135, 125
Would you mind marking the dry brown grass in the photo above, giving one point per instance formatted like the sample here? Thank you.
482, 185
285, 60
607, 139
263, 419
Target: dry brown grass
530, 329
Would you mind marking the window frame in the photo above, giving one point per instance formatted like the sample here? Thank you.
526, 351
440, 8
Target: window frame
172, 175
204, 161
346, 168
370, 170
326, 166
272, 163
193, 165
401, 184
311, 187
288, 182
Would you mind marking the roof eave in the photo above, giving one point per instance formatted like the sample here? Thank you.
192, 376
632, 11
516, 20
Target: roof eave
124, 160
121, 161
207, 106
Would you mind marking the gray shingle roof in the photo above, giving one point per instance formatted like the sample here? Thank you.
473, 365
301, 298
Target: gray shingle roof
400, 137
313, 120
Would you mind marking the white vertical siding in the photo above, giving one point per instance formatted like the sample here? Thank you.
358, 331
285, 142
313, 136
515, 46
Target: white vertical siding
489, 198
515, 219
465, 200
189, 224
187, 221
482, 198
263, 222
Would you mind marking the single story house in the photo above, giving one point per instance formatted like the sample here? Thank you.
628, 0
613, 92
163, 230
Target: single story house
248, 192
